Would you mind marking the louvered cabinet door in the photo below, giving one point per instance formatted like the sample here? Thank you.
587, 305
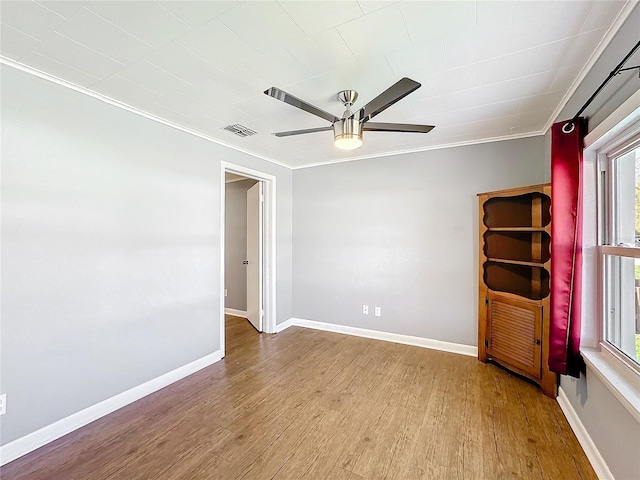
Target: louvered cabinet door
514, 334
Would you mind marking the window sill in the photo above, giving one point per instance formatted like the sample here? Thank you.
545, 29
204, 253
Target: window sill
618, 377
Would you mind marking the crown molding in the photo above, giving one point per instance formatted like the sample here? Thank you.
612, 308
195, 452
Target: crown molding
613, 30
129, 108
424, 149
624, 14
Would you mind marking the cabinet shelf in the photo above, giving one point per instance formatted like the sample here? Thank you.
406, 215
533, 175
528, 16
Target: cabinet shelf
530, 247
527, 210
517, 229
533, 263
528, 281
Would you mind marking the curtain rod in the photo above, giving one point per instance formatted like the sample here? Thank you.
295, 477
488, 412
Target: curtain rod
568, 127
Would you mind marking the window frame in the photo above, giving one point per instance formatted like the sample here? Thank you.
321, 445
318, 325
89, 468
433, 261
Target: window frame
607, 141
609, 241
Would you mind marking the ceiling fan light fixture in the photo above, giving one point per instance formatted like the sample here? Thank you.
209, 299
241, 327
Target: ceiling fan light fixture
347, 134
348, 141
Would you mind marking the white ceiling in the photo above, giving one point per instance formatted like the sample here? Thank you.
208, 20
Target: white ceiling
488, 69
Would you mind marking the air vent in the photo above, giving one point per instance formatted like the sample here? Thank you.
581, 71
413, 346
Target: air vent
240, 130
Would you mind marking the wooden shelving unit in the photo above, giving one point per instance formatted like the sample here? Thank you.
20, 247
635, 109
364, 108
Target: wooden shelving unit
514, 298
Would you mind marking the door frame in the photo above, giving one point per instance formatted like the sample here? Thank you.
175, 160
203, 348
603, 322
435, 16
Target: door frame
255, 256
268, 244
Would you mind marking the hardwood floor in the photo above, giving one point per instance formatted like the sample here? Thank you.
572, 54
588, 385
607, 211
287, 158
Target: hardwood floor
306, 404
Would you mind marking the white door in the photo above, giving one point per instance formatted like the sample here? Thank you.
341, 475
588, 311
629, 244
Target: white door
254, 255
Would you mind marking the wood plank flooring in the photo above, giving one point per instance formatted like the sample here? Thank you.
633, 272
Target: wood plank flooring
306, 404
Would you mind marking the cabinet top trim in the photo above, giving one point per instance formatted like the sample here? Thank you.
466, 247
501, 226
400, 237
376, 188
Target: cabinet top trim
518, 190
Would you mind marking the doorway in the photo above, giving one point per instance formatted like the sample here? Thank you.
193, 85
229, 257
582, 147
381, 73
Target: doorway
247, 248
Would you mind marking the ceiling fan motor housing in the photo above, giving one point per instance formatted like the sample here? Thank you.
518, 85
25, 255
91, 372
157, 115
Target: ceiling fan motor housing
347, 133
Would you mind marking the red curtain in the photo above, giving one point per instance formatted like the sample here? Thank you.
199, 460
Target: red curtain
566, 246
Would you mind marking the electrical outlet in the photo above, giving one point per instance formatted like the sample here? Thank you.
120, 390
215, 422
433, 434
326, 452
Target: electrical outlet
365, 309
225, 292
3, 404
378, 312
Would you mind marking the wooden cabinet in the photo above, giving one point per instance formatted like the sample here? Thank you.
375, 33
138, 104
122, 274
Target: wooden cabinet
514, 300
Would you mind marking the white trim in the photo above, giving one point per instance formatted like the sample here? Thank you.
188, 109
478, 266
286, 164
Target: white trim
631, 252
235, 313
423, 149
617, 375
458, 348
269, 245
613, 30
129, 108
623, 117
37, 439
581, 433
284, 325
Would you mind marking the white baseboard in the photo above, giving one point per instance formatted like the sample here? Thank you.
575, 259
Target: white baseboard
235, 313
37, 439
388, 337
590, 449
284, 325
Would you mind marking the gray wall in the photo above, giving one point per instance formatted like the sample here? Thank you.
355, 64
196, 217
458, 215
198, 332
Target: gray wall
401, 233
614, 431
110, 250
601, 413
235, 251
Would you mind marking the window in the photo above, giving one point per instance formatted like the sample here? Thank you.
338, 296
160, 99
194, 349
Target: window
611, 253
621, 249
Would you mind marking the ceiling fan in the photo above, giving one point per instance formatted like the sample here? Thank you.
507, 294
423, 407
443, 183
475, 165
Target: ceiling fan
347, 131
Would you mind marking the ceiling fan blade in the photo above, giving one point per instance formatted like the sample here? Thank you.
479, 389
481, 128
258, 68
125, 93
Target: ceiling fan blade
397, 127
301, 104
300, 132
387, 98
